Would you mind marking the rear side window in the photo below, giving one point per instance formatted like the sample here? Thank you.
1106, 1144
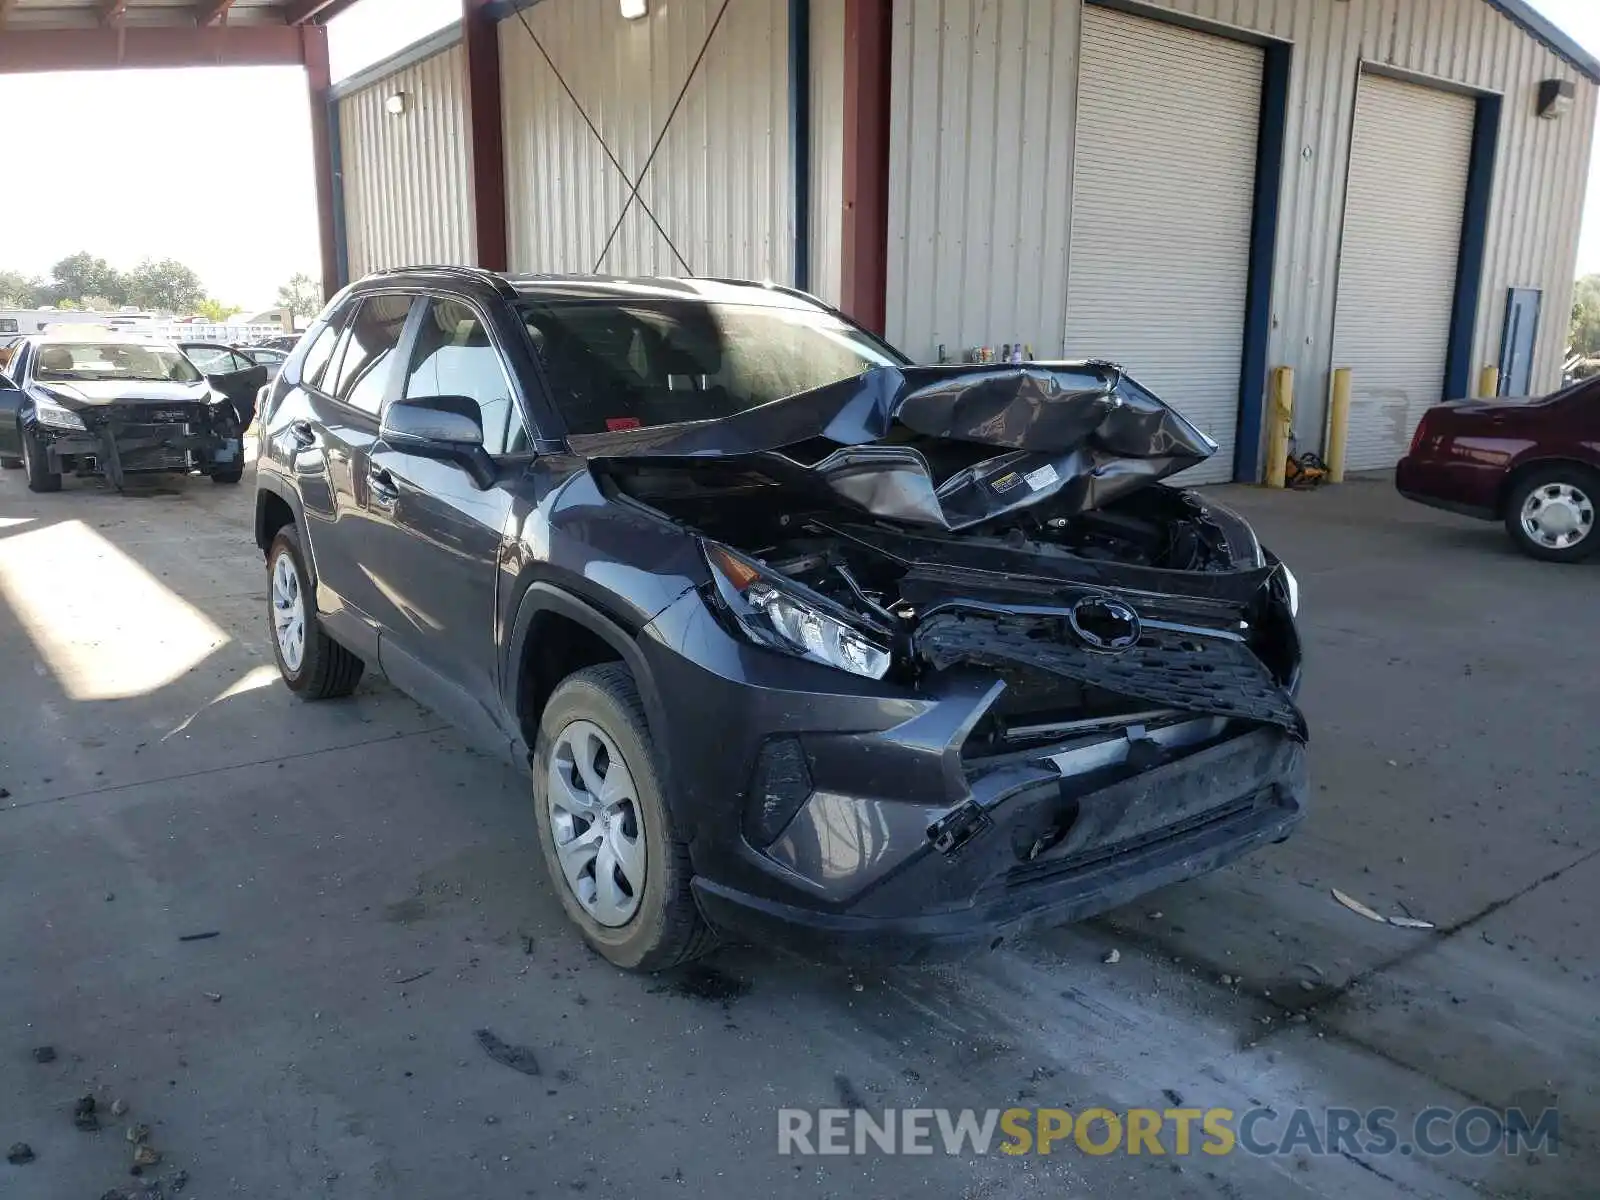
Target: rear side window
319, 352
361, 370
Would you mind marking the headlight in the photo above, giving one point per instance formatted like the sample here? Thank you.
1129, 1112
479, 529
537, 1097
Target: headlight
1291, 585
780, 614
53, 416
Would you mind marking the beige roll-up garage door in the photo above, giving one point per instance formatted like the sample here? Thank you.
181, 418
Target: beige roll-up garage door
1163, 187
1397, 268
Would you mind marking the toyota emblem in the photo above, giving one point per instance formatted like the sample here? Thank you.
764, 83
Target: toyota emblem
1106, 624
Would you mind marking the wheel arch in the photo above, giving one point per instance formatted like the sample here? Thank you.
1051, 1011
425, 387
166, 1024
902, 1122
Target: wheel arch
1528, 466
524, 695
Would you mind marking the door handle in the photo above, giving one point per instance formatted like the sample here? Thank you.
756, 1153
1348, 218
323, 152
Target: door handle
302, 432
381, 484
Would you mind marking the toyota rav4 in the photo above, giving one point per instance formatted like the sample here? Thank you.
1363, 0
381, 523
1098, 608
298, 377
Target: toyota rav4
800, 641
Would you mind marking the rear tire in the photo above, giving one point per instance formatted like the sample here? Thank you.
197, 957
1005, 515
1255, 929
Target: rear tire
8, 463
36, 462
228, 474
1551, 513
313, 665
664, 927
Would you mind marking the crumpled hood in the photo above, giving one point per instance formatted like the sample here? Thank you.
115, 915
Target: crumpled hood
1080, 433
97, 393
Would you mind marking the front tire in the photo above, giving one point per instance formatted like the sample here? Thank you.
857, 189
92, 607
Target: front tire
609, 845
313, 665
228, 474
7, 463
1550, 513
36, 462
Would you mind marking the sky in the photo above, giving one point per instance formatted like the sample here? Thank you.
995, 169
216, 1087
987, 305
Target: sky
240, 206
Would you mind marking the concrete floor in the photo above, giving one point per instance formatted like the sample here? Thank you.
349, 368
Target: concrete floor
376, 899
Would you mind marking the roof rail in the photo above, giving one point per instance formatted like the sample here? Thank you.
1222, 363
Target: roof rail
479, 274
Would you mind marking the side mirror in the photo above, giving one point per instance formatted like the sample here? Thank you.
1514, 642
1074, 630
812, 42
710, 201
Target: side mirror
448, 428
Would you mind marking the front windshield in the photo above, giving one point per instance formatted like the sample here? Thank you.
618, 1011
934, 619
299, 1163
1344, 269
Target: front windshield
77, 362
615, 365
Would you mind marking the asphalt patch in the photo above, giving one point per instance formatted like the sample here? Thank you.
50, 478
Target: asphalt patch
700, 982
518, 1058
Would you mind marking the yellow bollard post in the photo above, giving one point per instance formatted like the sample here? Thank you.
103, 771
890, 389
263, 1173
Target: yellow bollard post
1338, 424
1489, 383
1280, 413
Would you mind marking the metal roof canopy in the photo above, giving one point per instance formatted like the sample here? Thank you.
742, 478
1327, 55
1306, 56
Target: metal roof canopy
74, 35
86, 35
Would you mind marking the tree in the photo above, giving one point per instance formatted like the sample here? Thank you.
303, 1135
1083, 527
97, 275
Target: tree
1585, 333
65, 305
19, 291
83, 274
302, 296
213, 309
167, 286
97, 303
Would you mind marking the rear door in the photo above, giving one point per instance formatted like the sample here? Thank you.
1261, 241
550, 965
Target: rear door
337, 438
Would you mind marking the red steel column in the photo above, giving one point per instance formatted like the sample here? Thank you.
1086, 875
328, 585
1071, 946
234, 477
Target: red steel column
865, 269
314, 45
486, 154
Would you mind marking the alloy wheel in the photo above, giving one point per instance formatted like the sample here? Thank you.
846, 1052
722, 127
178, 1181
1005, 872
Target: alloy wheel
597, 824
1557, 516
288, 611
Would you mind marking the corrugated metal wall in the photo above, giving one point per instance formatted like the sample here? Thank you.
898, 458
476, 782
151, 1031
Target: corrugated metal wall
981, 166
980, 172
406, 193
827, 147
720, 182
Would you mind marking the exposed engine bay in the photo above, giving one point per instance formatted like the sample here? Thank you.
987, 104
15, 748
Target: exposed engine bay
1064, 568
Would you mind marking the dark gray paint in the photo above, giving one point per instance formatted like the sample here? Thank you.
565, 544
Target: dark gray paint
439, 565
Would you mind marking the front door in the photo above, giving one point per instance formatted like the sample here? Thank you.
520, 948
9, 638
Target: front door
10, 405
437, 535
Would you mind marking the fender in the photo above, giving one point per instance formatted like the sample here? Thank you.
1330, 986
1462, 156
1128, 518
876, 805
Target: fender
542, 597
1540, 456
270, 481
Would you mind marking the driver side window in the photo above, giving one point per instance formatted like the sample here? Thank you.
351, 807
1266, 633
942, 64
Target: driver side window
454, 356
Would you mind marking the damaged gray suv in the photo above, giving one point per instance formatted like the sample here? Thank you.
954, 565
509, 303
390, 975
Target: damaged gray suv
802, 642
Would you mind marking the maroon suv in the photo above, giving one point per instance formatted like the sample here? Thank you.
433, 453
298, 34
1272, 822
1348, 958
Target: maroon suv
1534, 464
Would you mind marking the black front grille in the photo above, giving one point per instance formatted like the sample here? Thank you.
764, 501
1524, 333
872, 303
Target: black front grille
1192, 672
145, 419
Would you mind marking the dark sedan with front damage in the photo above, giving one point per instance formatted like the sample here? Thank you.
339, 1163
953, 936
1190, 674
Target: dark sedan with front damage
77, 404
802, 642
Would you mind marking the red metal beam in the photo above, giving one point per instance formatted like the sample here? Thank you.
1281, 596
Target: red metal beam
315, 40
209, 12
300, 12
31, 50
864, 277
480, 35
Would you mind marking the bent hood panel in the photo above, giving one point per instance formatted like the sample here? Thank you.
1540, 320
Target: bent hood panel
100, 393
1083, 432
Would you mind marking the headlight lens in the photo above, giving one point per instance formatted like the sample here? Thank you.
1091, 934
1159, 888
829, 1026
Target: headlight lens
53, 416
779, 613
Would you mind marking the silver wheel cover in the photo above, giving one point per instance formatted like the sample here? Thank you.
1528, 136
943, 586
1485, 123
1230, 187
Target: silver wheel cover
288, 611
597, 823
1557, 516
